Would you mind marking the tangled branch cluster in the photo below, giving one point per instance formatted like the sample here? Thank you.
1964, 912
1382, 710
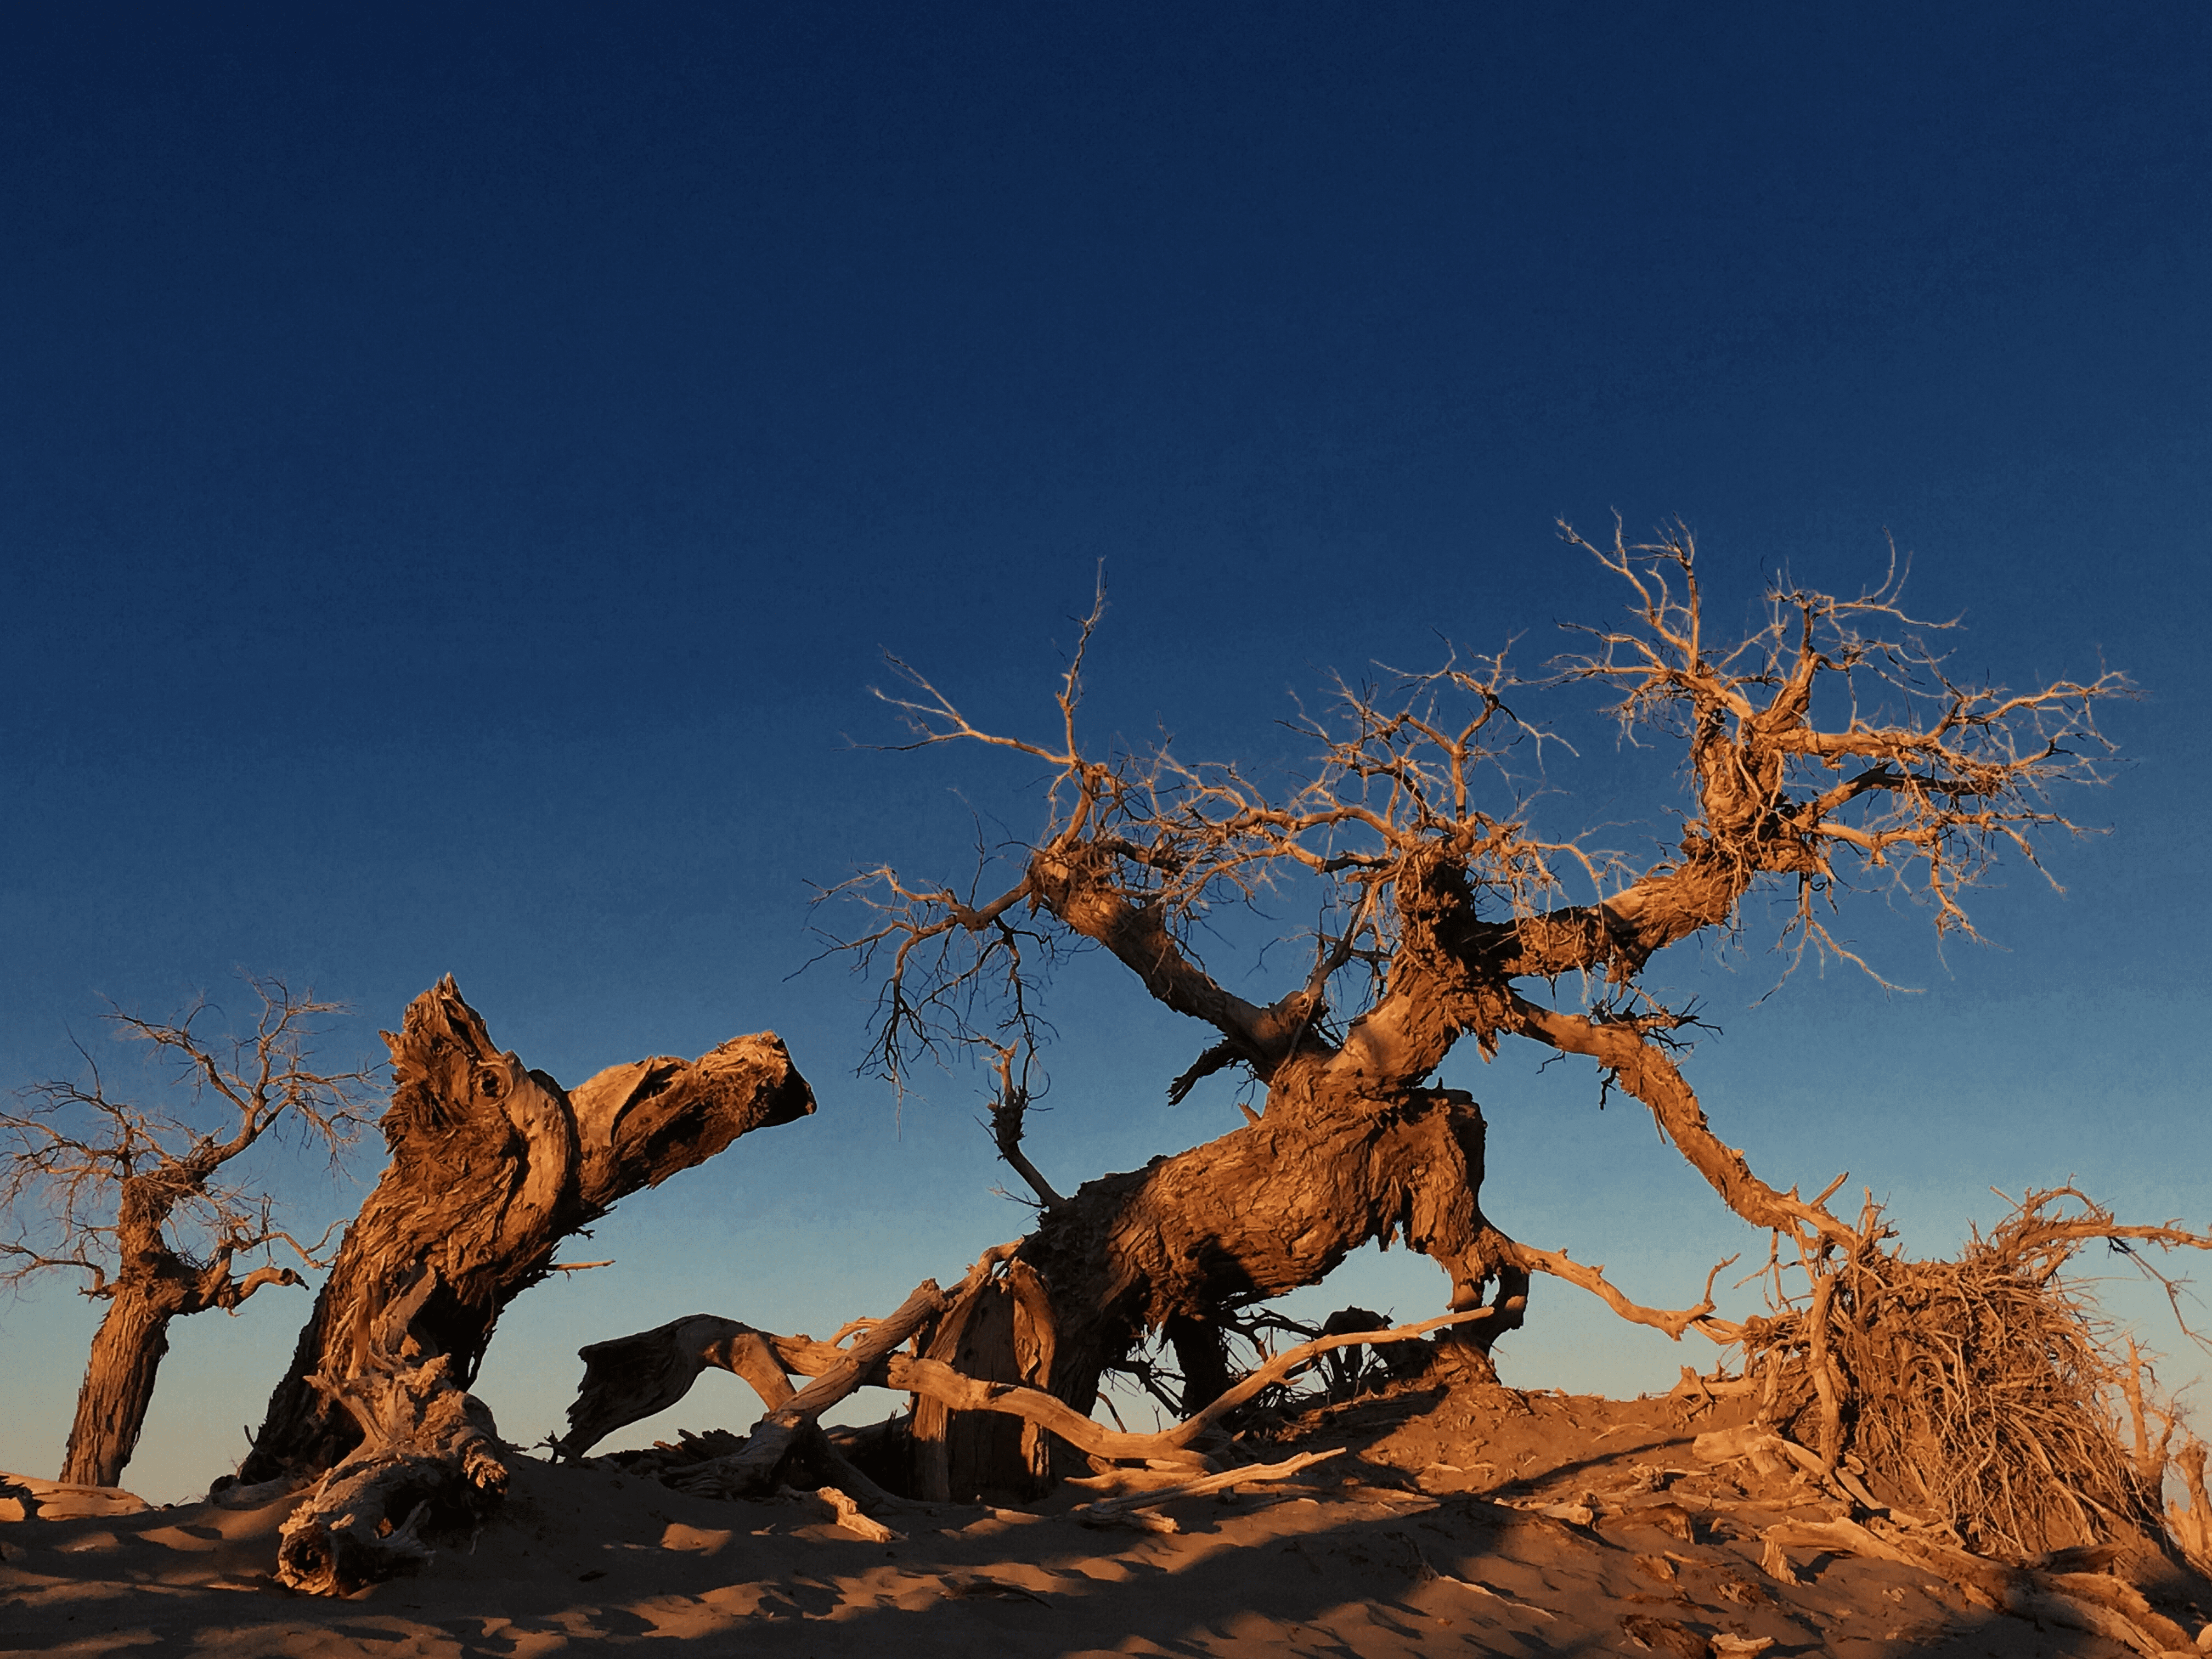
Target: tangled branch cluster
1830, 749
1980, 1393
91, 1180
1832, 744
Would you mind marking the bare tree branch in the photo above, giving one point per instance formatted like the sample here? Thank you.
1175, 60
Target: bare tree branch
1830, 750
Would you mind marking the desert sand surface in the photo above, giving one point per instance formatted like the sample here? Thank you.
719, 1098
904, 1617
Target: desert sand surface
1426, 1534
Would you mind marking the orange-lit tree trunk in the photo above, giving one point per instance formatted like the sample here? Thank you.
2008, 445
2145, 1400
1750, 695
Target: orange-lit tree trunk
1262, 1211
493, 1164
154, 1285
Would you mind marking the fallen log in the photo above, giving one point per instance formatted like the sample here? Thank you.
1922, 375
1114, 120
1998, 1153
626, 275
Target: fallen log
30, 1496
633, 1376
493, 1164
1175, 1446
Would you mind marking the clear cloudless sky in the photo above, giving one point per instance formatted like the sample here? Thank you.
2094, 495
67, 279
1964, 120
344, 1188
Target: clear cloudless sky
459, 468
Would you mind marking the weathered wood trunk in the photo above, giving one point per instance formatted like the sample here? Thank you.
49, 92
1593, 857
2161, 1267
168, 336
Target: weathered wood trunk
1264, 1209
492, 1165
153, 1285
118, 1386
428, 1465
1001, 1330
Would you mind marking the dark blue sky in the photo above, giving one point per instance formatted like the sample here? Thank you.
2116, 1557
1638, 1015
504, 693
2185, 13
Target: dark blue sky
458, 470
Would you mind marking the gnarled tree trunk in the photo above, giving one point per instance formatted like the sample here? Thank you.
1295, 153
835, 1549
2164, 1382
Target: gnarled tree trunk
153, 1284
427, 1463
492, 1165
1263, 1211
1437, 915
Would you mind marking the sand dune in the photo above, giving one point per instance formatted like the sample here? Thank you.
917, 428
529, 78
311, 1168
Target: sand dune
1424, 1536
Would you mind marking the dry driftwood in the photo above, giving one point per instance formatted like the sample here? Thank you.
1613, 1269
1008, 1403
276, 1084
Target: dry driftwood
427, 1463
754, 1471
493, 1164
29, 1497
630, 1378
2079, 1599
633, 1376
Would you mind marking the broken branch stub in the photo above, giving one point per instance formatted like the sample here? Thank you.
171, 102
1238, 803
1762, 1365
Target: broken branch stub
492, 1165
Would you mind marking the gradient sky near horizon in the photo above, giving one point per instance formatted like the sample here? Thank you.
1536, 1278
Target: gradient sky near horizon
460, 469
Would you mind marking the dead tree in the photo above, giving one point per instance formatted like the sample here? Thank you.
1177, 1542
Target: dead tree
1830, 750
493, 1164
147, 1202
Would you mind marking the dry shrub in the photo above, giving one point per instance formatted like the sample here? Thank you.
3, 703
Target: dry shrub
1977, 1392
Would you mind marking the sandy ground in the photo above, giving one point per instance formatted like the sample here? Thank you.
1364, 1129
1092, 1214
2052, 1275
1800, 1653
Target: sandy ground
1422, 1537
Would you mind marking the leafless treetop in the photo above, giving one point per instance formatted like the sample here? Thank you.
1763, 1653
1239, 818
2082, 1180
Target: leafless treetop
1831, 748
84, 1173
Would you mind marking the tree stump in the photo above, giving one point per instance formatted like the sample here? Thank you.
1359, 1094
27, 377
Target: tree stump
999, 1331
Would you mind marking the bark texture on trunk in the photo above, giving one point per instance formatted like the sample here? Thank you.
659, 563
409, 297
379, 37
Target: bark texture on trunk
493, 1164
118, 1386
1000, 1330
1264, 1209
153, 1284
427, 1465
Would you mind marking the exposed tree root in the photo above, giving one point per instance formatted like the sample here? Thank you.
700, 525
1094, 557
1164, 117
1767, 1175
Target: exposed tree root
1978, 1392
